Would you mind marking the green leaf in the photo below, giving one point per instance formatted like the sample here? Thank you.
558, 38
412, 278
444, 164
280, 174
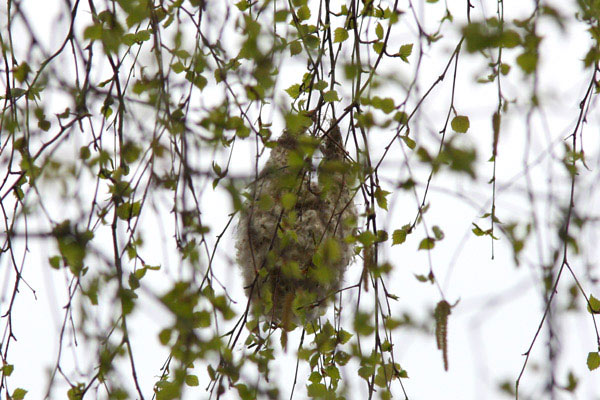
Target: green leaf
303, 13
339, 35
438, 233
84, 153
143, 36
460, 123
528, 62
288, 200
331, 96
295, 47
293, 91
366, 238
312, 41
265, 202
381, 197
19, 394
379, 31
164, 336
242, 5
297, 122
342, 358
333, 372
405, 51
386, 105
202, 319
76, 392
399, 236
281, 15
427, 244
317, 390
55, 261
401, 117
477, 230
362, 324
178, 67
192, 380
409, 142
378, 47
572, 382
134, 282
15, 93
343, 336
366, 371
7, 369
592, 56
594, 305
44, 125
244, 392
129, 39
197, 79
93, 32
321, 85
510, 39
21, 72
593, 360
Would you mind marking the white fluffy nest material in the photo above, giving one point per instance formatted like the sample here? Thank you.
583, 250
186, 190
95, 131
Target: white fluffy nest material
290, 244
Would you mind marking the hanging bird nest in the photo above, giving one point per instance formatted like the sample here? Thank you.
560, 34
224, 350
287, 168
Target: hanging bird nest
291, 232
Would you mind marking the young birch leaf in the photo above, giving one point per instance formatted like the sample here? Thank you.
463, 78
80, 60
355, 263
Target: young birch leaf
293, 91
191, 380
460, 123
321, 85
19, 394
405, 51
379, 31
399, 235
438, 233
340, 35
381, 198
409, 142
242, 5
593, 360
295, 48
330, 96
427, 244
594, 305
528, 62
303, 13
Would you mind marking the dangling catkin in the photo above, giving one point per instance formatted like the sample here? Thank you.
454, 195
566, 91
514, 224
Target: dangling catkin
290, 244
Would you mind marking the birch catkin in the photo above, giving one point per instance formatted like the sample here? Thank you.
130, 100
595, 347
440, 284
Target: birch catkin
290, 244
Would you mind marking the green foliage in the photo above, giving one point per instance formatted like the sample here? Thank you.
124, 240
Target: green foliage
405, 51
131, 147
340, 35
594, 305
18, 394
460, 123
593, 360
399, 235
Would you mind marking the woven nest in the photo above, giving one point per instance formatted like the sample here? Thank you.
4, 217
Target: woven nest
290, 245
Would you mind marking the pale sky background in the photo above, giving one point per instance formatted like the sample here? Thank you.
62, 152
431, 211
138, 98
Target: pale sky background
500, 306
